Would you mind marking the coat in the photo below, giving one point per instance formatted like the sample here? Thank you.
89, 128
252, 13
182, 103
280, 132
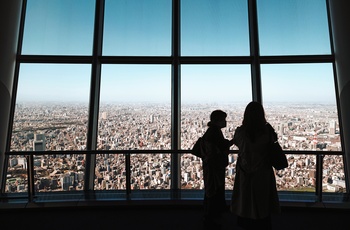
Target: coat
215, 160
254, 193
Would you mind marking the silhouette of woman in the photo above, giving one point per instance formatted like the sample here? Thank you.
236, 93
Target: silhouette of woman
254, 196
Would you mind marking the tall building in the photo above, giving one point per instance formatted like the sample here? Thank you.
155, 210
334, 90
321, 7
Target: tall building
332, 127
39, 142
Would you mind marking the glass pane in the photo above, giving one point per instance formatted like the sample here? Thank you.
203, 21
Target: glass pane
192, 172
137, 28
205, 88
61, 172
51, 110
300, 176
300, 103
17, 174
135, 107
110, 172
214, 28
333, 174
59, 27
150, 171
295, 27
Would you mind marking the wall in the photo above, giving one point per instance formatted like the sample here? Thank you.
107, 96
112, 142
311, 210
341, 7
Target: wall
10, 13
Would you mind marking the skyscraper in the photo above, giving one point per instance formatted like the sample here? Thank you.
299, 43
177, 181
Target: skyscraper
39, 142
332, 125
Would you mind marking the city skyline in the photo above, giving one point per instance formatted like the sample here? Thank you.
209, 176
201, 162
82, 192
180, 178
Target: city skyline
128, 127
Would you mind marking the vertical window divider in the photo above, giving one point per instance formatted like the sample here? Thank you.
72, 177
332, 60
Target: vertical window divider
254, 50
94, 96
175, 101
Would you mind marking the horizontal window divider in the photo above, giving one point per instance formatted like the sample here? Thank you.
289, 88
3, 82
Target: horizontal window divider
150, 151
216, 60
133, 151
296, 59
169, 60
55, 59
135, 60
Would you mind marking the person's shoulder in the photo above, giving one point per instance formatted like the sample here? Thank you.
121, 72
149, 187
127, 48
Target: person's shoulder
238, 129
269, 126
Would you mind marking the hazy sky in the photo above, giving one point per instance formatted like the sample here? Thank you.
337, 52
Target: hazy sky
208, 28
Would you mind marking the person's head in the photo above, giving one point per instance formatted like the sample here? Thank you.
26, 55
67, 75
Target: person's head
218, 118
254, 114
254, 120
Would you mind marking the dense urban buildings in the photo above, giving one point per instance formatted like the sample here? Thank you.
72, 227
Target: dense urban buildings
54, 127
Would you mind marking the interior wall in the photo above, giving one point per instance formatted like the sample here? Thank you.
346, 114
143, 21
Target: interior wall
340, 18
10, 12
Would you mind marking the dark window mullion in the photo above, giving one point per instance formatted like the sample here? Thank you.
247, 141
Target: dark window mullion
254, 50
94, 96
175, 100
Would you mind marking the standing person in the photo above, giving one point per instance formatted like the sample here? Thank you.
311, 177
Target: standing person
215, 160
254, 196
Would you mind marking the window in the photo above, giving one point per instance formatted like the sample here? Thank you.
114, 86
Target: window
59, 27
137, 28
123, 116
52, 102
293, 27
214, 28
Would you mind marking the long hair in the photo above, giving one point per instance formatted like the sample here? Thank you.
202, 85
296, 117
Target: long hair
254, 120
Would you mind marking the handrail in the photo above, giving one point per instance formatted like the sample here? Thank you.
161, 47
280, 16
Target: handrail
30, 171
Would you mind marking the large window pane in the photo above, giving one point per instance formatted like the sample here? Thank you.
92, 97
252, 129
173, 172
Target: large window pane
110, 173
300, 103
150, 171
293, 27
333, 174
59, 27
51, 107
214, 28
137, 28
300, 176
205, 88
17, 174
135, 108
61, 172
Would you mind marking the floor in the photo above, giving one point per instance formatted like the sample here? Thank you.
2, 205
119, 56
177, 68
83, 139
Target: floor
107, 215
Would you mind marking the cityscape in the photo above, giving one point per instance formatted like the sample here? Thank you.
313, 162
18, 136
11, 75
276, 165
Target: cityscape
55, 127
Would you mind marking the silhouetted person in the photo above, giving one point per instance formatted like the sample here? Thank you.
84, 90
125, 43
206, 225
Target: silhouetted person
254, 196
215, 160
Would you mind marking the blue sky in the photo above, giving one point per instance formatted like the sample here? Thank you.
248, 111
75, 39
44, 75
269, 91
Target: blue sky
143, 27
